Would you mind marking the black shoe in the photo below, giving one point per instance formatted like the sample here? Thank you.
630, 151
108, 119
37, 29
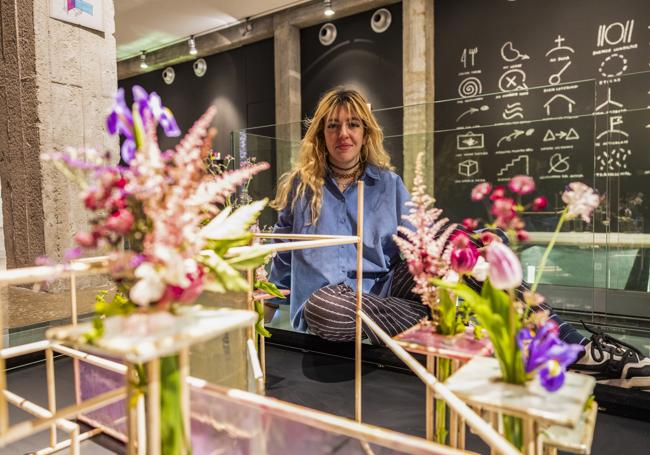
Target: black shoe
613, 362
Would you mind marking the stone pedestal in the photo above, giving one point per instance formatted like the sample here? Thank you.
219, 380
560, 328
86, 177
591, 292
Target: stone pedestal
56, 85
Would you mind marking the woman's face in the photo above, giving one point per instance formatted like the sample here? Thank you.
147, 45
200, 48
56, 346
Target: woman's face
344, 137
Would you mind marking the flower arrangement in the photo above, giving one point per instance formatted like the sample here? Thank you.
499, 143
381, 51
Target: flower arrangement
525, 341
164, 219
450, 262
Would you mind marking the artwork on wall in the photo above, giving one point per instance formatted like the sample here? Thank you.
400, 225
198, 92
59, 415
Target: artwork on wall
87, 13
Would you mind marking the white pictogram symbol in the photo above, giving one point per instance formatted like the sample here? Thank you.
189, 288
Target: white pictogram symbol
470, 87
510, 54
558, 163
473, 110
615, 33
468, 168
609, 101
571, 135
514, 79
518, 165
613, 66
556, 78
468, 55
560, 47
469, 141
569, 103
514, 135
513, 111
613, 160
614, 121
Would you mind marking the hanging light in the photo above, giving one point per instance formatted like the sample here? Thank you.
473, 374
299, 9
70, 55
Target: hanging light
143, 60
328, 11
192, 45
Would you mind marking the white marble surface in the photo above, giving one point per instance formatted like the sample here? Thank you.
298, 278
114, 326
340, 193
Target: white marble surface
479, 383
141, 338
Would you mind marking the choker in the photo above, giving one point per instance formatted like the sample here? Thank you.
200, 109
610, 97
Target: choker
344, 168
344, 176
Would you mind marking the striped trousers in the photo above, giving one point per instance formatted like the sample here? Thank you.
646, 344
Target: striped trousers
330, 311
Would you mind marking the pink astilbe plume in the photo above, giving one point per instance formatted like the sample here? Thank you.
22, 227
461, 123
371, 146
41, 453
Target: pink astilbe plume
425, 245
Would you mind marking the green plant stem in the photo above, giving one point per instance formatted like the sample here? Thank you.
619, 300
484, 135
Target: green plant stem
173, 435
549, 247
444, 371
514, 431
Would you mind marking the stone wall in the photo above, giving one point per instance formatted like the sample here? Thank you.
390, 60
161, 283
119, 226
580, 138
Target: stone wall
56, 84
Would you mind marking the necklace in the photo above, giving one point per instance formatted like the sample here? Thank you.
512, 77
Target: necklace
344, 176
344, 168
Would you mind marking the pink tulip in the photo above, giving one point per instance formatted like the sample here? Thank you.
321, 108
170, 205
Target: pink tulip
504, 268
464, 254
521, 185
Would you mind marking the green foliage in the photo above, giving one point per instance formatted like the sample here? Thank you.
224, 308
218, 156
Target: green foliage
119, 305
450, 320
269, 288
495, 311
259, 325
172, 428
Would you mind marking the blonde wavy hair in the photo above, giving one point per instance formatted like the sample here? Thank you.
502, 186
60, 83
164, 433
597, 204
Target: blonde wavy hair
311, 166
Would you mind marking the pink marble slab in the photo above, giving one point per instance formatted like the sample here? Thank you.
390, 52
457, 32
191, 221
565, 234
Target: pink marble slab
423, 339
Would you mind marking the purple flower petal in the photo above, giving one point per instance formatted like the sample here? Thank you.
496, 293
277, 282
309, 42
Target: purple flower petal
551, 377
168, 123
128, 150
72, 253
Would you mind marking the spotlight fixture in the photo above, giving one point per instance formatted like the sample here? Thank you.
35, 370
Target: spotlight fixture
192, 45
328, 11
143, 60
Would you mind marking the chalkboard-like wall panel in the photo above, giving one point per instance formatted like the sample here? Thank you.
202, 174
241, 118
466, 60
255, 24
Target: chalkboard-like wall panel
557, 90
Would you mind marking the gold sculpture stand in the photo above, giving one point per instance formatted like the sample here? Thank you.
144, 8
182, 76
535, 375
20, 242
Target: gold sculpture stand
143, 341
423, 339
479, 384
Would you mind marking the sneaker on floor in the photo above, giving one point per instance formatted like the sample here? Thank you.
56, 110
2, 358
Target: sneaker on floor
613, 362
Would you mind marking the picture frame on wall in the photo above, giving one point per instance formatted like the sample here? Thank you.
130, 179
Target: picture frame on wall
87, 13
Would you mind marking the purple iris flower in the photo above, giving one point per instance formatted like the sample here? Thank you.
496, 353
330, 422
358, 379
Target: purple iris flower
151, 105
545, 352
128, 150
120, 120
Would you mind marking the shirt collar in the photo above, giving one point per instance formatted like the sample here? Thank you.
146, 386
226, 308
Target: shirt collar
372, 171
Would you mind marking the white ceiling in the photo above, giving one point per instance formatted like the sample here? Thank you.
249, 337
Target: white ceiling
151, 24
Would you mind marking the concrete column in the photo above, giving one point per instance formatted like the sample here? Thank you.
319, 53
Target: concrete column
287, 94
417, 45
56, 85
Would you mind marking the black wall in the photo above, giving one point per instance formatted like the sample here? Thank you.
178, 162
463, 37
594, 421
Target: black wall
608, 54
239, 82
359, 58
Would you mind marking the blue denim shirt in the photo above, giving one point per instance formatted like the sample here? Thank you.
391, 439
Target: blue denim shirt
305, 271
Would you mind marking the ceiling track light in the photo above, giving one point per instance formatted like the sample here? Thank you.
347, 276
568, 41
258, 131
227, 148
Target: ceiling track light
143, 60
192, 45
328, 11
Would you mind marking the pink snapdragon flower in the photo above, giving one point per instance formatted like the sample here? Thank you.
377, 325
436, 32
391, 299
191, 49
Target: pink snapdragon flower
504, 268
120, 221
521, 185
581, 200
539, 203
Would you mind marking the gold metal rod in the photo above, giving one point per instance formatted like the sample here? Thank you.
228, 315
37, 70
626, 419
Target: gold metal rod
66, 442
15, 351
51, 391
91, 359
265, 235
24, 429
37, 411
357, 337
153, 406
289, 246
73, 297
480, 427
429, 401
134, 440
